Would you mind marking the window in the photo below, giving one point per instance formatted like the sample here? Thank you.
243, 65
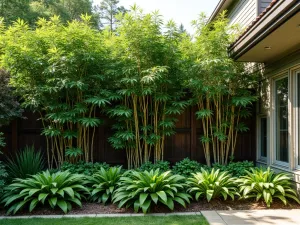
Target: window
281, 120
263, 137
278, 128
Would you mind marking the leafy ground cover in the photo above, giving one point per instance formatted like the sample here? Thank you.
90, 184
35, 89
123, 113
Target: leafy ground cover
166, 220
145, 191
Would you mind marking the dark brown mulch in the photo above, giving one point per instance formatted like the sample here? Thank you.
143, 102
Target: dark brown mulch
227, 205
94, 208
87, 208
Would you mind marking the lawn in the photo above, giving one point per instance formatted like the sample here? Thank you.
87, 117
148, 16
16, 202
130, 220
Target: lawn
140, 220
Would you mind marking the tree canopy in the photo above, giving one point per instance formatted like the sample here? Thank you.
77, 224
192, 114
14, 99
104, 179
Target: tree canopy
108, 10
31, 10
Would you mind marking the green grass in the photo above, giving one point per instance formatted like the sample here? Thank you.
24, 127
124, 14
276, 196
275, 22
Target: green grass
147, 220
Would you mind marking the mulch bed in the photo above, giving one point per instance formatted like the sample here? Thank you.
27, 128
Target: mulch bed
94, 208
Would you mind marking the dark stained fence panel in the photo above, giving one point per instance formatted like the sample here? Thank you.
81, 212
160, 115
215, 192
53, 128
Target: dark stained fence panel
178, 147
185, 143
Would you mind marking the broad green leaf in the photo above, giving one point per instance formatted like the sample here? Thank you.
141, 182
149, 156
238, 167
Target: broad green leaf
63, 205
209, 194
170, 203
154, 197
42, 197
53, 201
145, 206
143, 197
162, 195
33, 204
69, 191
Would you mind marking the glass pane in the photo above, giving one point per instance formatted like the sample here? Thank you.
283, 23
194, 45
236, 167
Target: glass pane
263, 137
282, 147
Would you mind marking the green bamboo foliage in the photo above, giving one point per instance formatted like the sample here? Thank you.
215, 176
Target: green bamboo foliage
220, 86
149, 86
58, 70
69, 73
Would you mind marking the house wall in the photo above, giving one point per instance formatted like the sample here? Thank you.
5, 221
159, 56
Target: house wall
262, 5
243, 12
289, 66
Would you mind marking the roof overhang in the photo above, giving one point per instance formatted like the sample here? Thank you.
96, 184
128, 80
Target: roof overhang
275, 35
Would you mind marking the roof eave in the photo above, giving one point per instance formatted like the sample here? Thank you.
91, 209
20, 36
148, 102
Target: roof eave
268, 23
222, 5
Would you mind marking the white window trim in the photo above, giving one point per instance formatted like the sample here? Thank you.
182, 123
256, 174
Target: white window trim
296, 129
273, 148
293, 127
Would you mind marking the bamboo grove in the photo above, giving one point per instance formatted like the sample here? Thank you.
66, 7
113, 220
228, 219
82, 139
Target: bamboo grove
147, 86
142, 75
223, 89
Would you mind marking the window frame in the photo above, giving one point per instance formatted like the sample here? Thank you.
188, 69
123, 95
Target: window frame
259, 138
273, 133
296, 117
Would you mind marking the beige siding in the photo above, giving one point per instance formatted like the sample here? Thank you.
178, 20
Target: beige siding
263, 4
283, 64
243, 12
286, 65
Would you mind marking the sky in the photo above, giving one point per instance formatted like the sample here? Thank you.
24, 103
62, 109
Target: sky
181, 11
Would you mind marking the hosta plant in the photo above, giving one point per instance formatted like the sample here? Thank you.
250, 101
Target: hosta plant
212, 184
267, 185
144, 189
59, 189
103, 183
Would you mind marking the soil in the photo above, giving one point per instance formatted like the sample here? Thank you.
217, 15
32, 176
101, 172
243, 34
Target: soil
94, 208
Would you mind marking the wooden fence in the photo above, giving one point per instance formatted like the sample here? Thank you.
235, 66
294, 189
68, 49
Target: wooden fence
185, 143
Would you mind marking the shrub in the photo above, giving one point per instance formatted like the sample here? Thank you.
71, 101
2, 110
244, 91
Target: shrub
163, 166
260, 183
186, 167
59, 189
103, 184
25, 163
3, 173
212, 184
142, 189
84, 167
3, 176
2, 141
9, 106
236, 169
